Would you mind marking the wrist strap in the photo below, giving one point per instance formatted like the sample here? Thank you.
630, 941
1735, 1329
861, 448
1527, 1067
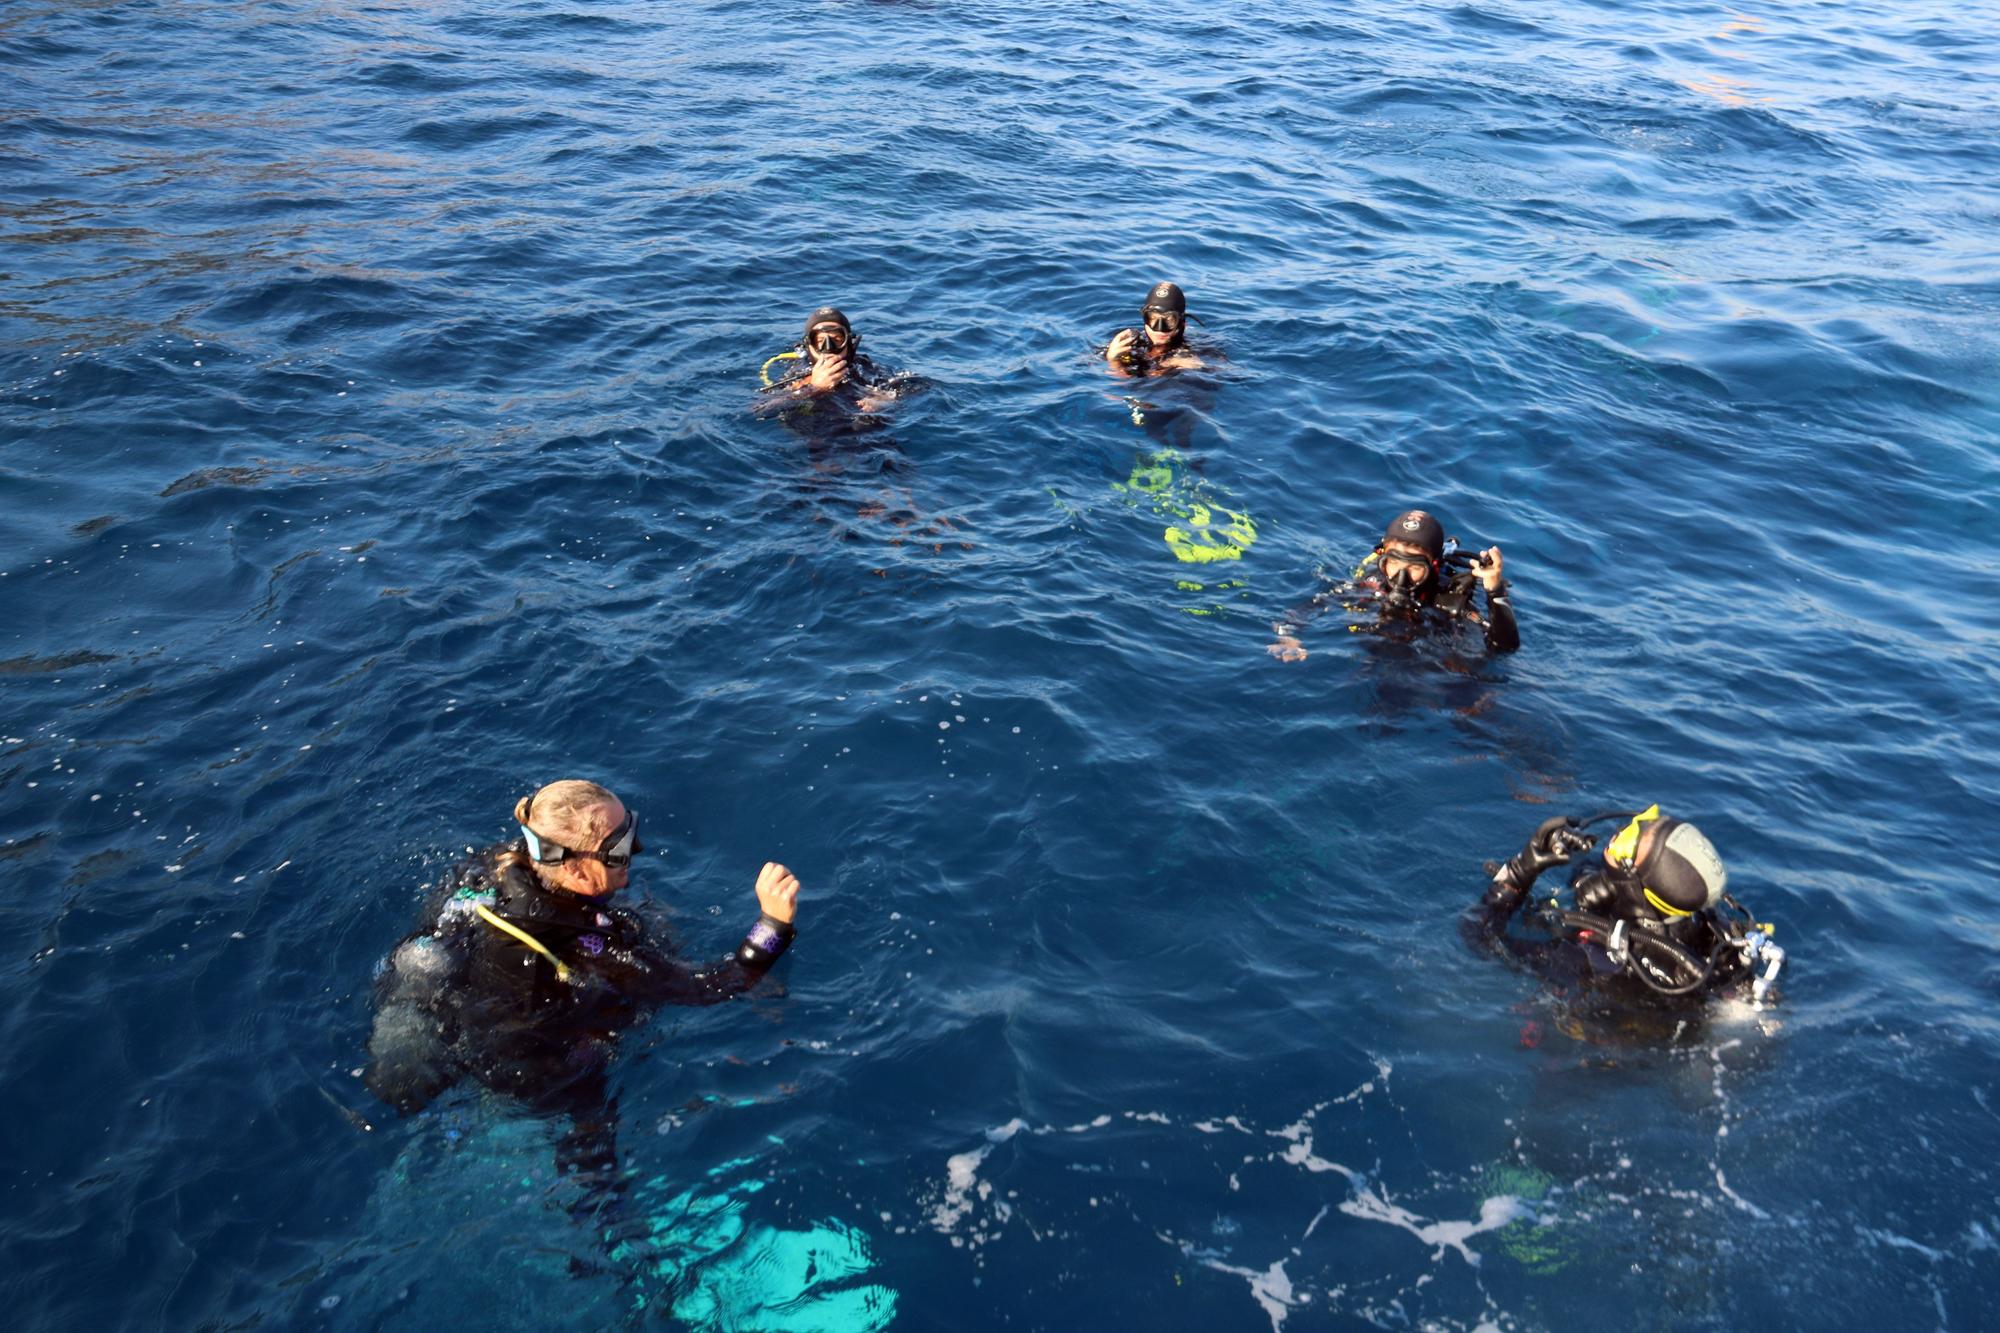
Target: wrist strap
766, 942
1505, 893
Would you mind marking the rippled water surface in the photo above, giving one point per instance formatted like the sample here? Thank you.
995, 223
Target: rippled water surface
375, 446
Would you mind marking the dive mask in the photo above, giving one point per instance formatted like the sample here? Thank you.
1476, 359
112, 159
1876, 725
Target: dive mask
1404, 572
831, 339
1622, 852
616, 851
1164, 321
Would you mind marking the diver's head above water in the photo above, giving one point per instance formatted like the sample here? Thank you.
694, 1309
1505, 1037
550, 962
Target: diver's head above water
1165, 314
579, 837
829, 334
1409, 559
1663, 868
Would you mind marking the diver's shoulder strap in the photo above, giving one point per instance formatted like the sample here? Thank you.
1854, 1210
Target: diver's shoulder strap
498, 922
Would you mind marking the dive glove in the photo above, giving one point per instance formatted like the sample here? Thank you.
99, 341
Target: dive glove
1555, 841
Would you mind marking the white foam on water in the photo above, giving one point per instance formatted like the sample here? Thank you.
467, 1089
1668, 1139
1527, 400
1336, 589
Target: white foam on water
1271, 1289
1370, 1204
1722, 1129
962, 1182
1896, 1242
1494, 1213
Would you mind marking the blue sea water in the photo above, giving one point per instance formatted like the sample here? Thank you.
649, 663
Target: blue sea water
374, 447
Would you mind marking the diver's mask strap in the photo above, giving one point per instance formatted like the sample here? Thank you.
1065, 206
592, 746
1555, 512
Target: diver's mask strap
1623, 849
615, 851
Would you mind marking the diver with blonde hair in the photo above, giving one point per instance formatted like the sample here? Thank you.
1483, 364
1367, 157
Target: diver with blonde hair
524, 972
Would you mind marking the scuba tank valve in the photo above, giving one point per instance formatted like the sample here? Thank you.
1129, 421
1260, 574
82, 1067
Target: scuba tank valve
1757, 945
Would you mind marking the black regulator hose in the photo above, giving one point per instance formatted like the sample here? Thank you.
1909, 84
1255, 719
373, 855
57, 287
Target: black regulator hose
1683, 958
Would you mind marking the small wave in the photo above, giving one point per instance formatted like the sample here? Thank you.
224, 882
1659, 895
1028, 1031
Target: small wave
30, 665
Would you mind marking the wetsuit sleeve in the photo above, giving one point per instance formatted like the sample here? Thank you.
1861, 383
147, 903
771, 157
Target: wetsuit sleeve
897, 384
785, 393
652, 977
1484, 925
1296, 619
1502, 634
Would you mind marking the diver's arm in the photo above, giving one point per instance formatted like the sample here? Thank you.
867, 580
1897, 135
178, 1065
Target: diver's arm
876, 389
785, 393
655, 979
1502, 634
1484, 925
665, 981
1289, 626
771, 401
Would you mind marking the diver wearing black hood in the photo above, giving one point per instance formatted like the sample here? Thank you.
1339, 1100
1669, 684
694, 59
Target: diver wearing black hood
1161, 346
1415, 575
830, 366
1655, 919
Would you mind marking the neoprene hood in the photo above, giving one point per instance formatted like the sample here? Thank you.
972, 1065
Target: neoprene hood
1420, 528
827, 314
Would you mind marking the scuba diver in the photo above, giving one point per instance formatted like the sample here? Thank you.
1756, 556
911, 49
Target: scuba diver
1420, 578
1655, 925
1203, 524
831, 369
1162, 346
523, 973
831, 399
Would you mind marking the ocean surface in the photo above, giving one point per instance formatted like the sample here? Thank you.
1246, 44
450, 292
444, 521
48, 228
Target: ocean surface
376, 445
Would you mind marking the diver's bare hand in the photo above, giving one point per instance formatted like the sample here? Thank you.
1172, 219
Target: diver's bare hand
829, 374
1286, 649
1122, 345
1490, 572
778, 892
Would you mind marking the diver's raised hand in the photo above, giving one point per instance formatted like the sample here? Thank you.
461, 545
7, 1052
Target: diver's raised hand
1555, 841
778, 892
1491, 570
829, 374
1122, 345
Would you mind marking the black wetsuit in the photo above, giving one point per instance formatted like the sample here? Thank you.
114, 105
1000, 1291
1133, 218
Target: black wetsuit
1574, 950
463, 996
1434, 610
